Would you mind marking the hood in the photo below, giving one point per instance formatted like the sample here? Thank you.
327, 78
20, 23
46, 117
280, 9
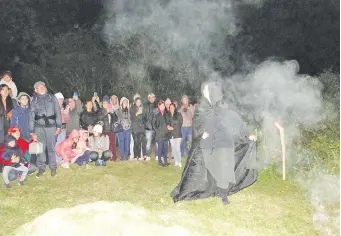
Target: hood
74, 133
9, 138
121, 101
112, 98
214, 91
23, 94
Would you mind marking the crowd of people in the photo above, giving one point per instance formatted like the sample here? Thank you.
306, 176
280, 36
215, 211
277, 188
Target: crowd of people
71, 132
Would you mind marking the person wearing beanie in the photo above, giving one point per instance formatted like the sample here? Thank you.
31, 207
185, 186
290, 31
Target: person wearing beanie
13, 152
20, 115
45, 121
108, 119
99, 143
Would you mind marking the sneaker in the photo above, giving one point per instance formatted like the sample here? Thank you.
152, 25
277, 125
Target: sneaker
166, 164
180, 165
53, 172
147, 158
39, 174
65, 165
161, 164
21, 183
156, 158
8, 185
87, 166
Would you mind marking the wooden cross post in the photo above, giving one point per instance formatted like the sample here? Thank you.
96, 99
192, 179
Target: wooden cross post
281, 133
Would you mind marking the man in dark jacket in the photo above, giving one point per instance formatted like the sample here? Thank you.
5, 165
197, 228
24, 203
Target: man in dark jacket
45, 121
148, 115
137, 129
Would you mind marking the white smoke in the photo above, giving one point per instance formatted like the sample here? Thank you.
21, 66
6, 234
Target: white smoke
189, 36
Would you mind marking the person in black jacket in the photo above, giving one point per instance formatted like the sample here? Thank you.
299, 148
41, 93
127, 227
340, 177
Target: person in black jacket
137, 129
162, 134
174, 121
148, 112
108, 119
88, 117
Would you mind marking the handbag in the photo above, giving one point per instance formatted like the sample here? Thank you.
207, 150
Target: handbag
117, 127
36, 148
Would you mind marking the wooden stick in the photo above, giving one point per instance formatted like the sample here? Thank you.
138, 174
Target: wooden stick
281, 132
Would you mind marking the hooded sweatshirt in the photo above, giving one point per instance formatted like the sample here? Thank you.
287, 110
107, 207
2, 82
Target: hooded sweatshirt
67, 148
124, 114
9, 151
99, 142
20, 117
12, 86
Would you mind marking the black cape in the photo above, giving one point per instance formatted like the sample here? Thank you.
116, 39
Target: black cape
197, 183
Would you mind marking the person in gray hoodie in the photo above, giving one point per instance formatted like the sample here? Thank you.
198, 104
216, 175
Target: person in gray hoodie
124, 137
45, 121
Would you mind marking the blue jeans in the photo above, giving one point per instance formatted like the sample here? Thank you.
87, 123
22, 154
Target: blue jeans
162, 150
124, 146
150, 135
186, 141
84, 158
60, 138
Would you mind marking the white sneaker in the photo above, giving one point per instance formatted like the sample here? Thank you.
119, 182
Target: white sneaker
87, 166
180, 165
65, 165
156, 158
148, 159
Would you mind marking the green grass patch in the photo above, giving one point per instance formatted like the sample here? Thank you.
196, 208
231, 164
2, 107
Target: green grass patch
269, 207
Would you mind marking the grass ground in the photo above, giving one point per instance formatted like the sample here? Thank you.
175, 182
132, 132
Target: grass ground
269, 207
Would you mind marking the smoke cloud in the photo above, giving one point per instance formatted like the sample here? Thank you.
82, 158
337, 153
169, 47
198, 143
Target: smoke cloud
194, 38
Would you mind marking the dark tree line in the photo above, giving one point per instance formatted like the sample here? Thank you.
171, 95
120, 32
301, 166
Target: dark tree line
60, 42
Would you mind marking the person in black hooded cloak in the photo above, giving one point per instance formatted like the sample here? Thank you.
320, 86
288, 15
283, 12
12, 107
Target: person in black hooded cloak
222, 157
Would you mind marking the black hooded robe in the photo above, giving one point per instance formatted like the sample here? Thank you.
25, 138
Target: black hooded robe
224, 163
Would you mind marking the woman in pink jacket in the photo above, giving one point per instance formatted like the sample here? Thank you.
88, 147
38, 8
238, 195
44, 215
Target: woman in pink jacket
75, 149
67, 148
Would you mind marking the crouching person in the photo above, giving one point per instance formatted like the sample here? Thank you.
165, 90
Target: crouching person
45, 121
67, 148
83, 149
99, 143
14, 154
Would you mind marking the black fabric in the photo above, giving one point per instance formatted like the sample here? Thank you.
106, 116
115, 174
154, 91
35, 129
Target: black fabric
160, 127
94, 156
137, 125
148, 114
197, 182
106, 156
176, 122
88, 118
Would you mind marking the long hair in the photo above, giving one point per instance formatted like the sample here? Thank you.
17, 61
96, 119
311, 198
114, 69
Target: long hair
9, 101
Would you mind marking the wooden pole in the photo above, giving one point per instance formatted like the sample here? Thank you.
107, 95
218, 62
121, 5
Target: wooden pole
281, 132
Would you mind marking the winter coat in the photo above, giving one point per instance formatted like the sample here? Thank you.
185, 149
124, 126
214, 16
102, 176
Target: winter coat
44, 106
20, 118
160, 126
100, 142
88, 118
74, 121
149, 110
176, 122
66, 148
137, 125
107, 119
124, 115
